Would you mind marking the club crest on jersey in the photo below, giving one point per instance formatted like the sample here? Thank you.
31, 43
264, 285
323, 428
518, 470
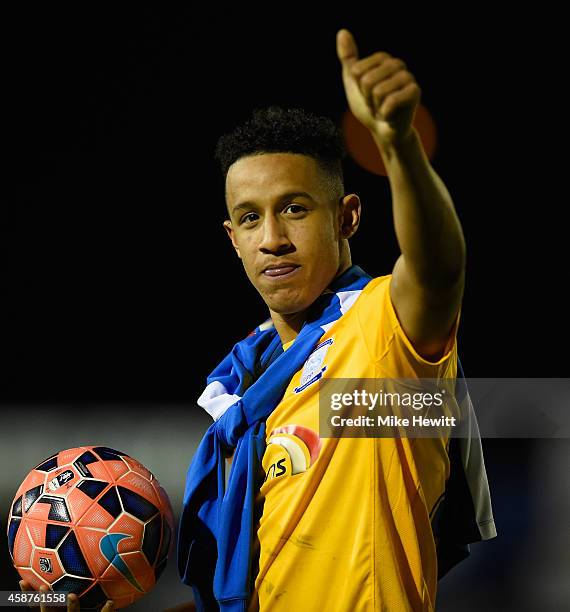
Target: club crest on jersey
313, 369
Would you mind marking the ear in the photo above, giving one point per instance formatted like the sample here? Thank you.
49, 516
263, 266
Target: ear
231, 235
349, 215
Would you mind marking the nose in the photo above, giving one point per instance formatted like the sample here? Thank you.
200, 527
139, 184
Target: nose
274, 238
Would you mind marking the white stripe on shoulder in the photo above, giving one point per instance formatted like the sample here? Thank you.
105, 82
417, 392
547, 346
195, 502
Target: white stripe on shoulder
347, 299
215, 399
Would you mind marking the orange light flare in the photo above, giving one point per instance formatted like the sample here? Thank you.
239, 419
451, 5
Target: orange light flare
363, 149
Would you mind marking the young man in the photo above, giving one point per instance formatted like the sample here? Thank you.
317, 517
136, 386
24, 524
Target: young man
304, 522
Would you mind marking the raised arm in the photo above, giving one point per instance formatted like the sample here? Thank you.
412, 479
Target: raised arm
428, 278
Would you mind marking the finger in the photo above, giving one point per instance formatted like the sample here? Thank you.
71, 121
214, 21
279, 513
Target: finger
27, 587
361, 66
346, 48
393, 84
72, 603
108, 607
409, 93
370, 79
43, 589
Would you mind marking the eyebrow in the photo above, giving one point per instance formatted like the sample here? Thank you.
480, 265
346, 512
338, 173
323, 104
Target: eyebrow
280, 199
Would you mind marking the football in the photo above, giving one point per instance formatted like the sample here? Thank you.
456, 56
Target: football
92, 521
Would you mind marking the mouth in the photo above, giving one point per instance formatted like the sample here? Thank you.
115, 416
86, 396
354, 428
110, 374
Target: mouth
282, 272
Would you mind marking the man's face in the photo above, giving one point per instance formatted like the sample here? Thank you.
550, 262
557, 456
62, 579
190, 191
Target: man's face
282, 215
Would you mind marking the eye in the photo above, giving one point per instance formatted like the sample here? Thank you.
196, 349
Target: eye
298, 206
245, 217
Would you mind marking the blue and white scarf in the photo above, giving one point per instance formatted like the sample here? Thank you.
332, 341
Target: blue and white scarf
217, 524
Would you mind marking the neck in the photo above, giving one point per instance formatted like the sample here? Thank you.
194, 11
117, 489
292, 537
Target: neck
288, 326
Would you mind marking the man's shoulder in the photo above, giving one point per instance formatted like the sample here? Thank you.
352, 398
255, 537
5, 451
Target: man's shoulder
370, 301
377, 287
368, 304
378, 281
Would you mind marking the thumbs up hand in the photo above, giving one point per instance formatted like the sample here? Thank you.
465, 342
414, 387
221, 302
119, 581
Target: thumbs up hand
381, 93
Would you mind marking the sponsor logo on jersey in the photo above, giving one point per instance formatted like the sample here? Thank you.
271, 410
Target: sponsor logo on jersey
300, 443
276, 469
313, 369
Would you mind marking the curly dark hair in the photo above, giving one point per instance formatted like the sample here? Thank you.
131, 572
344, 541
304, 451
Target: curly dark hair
292, 130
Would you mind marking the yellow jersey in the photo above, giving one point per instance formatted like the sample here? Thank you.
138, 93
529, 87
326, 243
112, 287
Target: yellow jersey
345, 523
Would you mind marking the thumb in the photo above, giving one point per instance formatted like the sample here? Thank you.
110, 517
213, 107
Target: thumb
346, 48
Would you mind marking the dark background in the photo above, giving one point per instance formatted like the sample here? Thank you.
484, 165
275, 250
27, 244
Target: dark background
121, 291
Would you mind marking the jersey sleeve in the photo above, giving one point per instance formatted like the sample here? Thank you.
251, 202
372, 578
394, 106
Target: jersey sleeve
387, 343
